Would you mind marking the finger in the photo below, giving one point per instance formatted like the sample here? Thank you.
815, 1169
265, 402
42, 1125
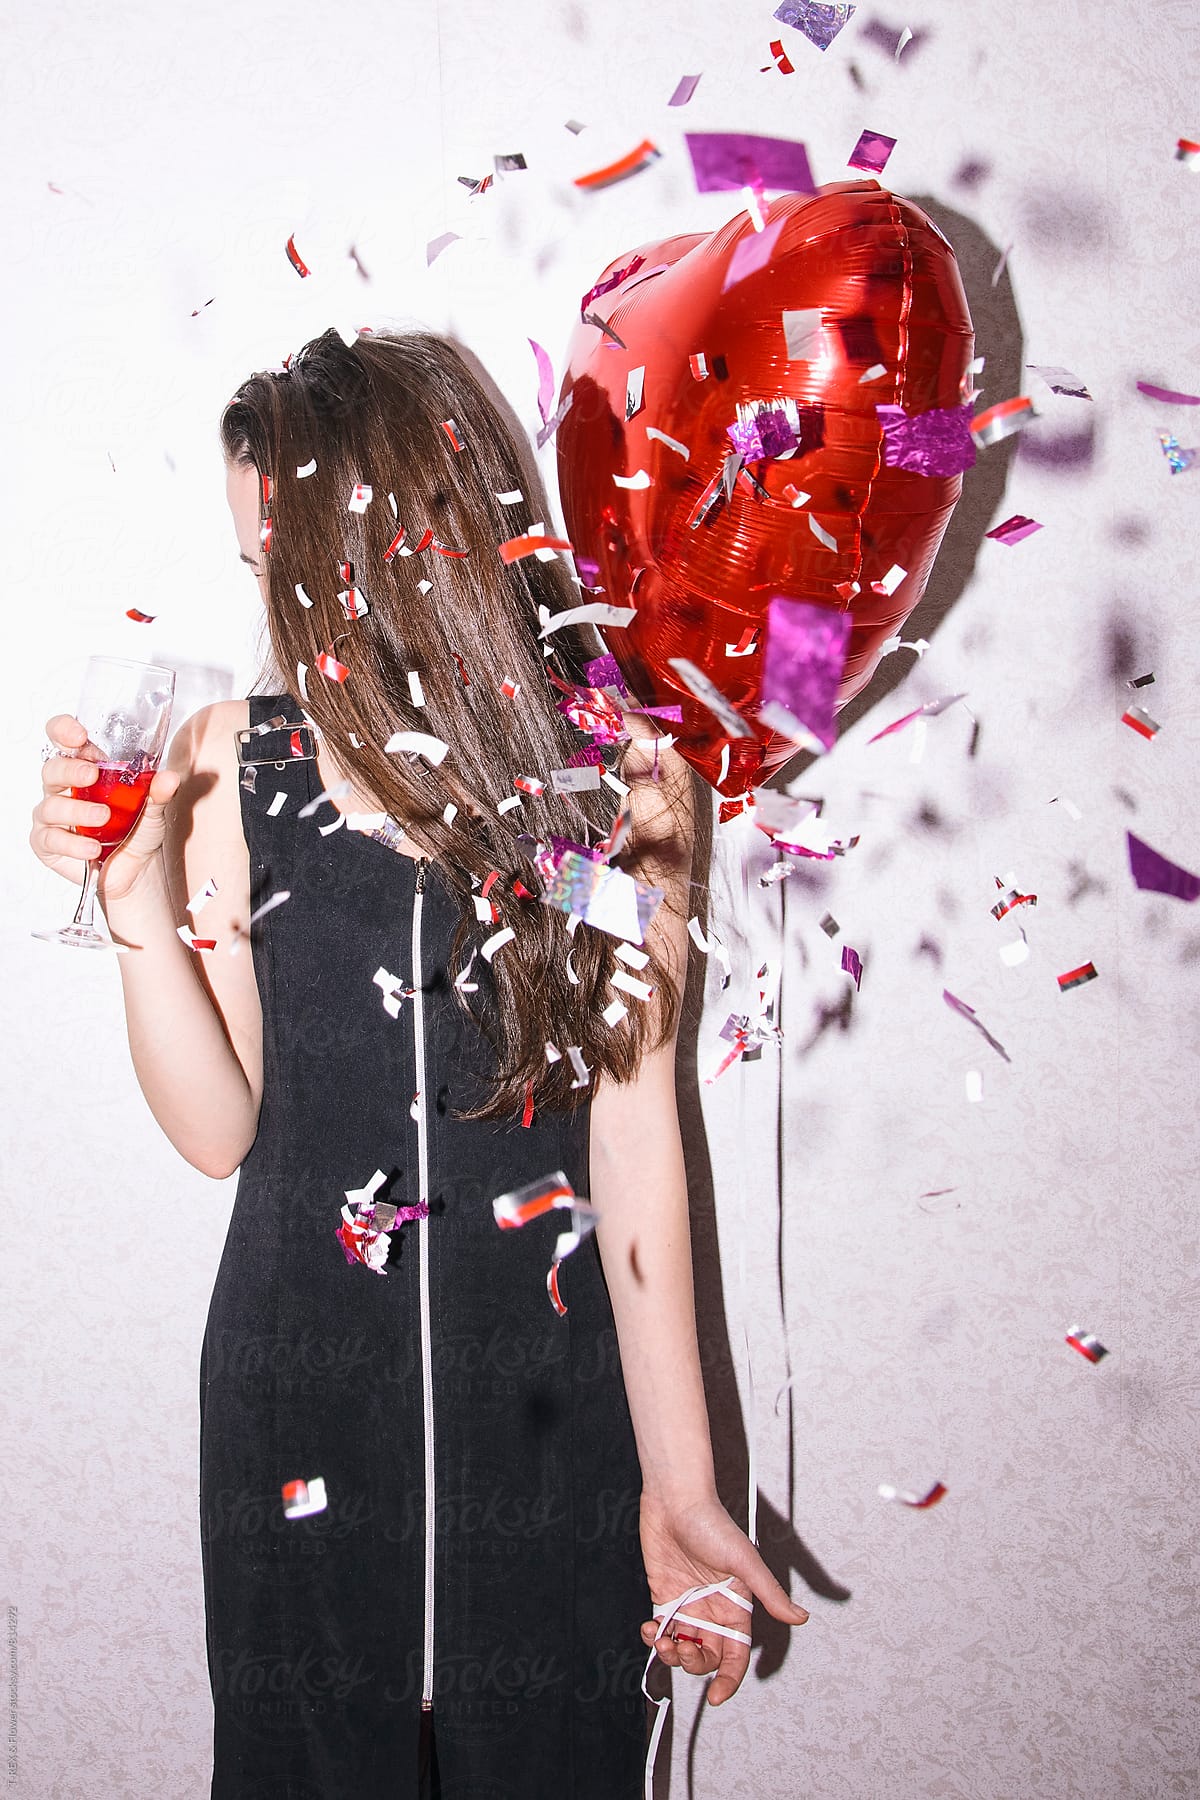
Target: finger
64, 728
62, 772
58, 809
735, 1660
51, 841
753, 1573
164, 787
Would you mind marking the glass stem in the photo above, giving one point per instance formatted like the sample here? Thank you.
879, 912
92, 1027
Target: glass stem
87, 897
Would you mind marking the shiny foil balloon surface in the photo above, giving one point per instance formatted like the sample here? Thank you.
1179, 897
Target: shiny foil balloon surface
887, 287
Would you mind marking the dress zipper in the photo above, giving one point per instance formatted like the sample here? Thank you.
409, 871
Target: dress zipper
423, 1263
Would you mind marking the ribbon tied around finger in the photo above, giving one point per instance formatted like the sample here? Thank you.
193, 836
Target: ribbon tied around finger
672, 1612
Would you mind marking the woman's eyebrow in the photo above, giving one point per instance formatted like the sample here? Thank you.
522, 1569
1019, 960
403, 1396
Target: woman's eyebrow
250, 562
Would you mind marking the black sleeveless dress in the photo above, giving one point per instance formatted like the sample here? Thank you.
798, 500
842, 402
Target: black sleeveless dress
477, 1566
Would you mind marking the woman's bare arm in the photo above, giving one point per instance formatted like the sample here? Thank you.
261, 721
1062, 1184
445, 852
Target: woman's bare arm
195, 1025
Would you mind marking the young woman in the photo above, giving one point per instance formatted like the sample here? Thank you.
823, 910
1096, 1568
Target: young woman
510, 1491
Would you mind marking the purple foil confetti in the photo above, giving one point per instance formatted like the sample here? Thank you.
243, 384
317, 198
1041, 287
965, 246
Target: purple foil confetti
1179, 458
602, 672
730, 160
768, 433
609, 283
1014, 529
803, 654
937, 442
683, 93
1168, 395
852, 964
545, 379
871, 152
752, 252
1158, 874
819, 24
968, 1013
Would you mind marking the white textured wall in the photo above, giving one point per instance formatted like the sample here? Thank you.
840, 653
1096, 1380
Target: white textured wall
1034, 1635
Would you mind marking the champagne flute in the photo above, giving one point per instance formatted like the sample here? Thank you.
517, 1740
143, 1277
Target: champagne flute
125, 708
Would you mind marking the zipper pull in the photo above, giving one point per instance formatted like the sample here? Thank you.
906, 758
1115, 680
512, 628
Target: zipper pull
420, 875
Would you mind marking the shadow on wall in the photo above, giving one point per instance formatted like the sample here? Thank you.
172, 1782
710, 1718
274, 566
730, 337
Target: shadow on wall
998, 337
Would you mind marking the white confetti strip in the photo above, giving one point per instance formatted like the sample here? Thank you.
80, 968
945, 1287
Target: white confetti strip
416, 691
277, 805
636, 482
613, 1013
306, 469
417, 743
359, 499
822, 536
629, 984
629, 953
513, 497
496, 942
301, 596
595, 612
553, 1053
674, 444
973, 1082
506, 806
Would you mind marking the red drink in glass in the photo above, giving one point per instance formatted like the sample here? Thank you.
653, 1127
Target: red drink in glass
123, 788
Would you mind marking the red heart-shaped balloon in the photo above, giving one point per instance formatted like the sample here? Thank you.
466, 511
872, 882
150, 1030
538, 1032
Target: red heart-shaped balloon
701, 564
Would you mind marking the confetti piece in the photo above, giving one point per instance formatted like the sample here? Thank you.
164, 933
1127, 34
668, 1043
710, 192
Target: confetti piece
396, 547
751, 253
552, 424
1186, 151
852, 965
1014, 529
969, 1014
496, 942
819, 24
265, 532
887, 584
1000, 267
1179, 458
545, 378
930, 710
1157, 874
905, 38
331, 668
353, 603
802, 334
1068, 806
1011, 955
746, 644
140, 618
360, 498
327, 796
551, 1193
294, 257
1141, 681
301, 673
201, 898
873, 373
510, 164
635, 483
819, 532
417, 743
594, 612
871, 152
512, 496
629, 953
780, 62
936, 442
304, 470
435, 246
1060, 381
613, 1013
930, 1497
629, 984
277, 805
529, 784
803, 655
635, 393
637, 160
728, 160
1012, 899
529, 544
1139, 720
508, 805
686, 88
303, 1498
450, 427
1086, 1343
269, 905
1077, 977
575, 781
973, 1085
1170, 396
391, 988
698, 684
1002, 421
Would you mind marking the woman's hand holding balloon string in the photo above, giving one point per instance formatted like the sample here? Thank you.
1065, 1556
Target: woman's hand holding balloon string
694, 1544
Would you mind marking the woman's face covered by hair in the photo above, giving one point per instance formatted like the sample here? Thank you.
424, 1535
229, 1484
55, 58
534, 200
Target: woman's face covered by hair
407, 422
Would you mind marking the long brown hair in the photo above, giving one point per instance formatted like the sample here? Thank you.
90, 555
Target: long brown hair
407, 416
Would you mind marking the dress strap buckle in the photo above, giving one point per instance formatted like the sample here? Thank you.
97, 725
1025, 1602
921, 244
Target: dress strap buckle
298, 745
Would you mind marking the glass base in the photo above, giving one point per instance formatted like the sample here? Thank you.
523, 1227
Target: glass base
77, 937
